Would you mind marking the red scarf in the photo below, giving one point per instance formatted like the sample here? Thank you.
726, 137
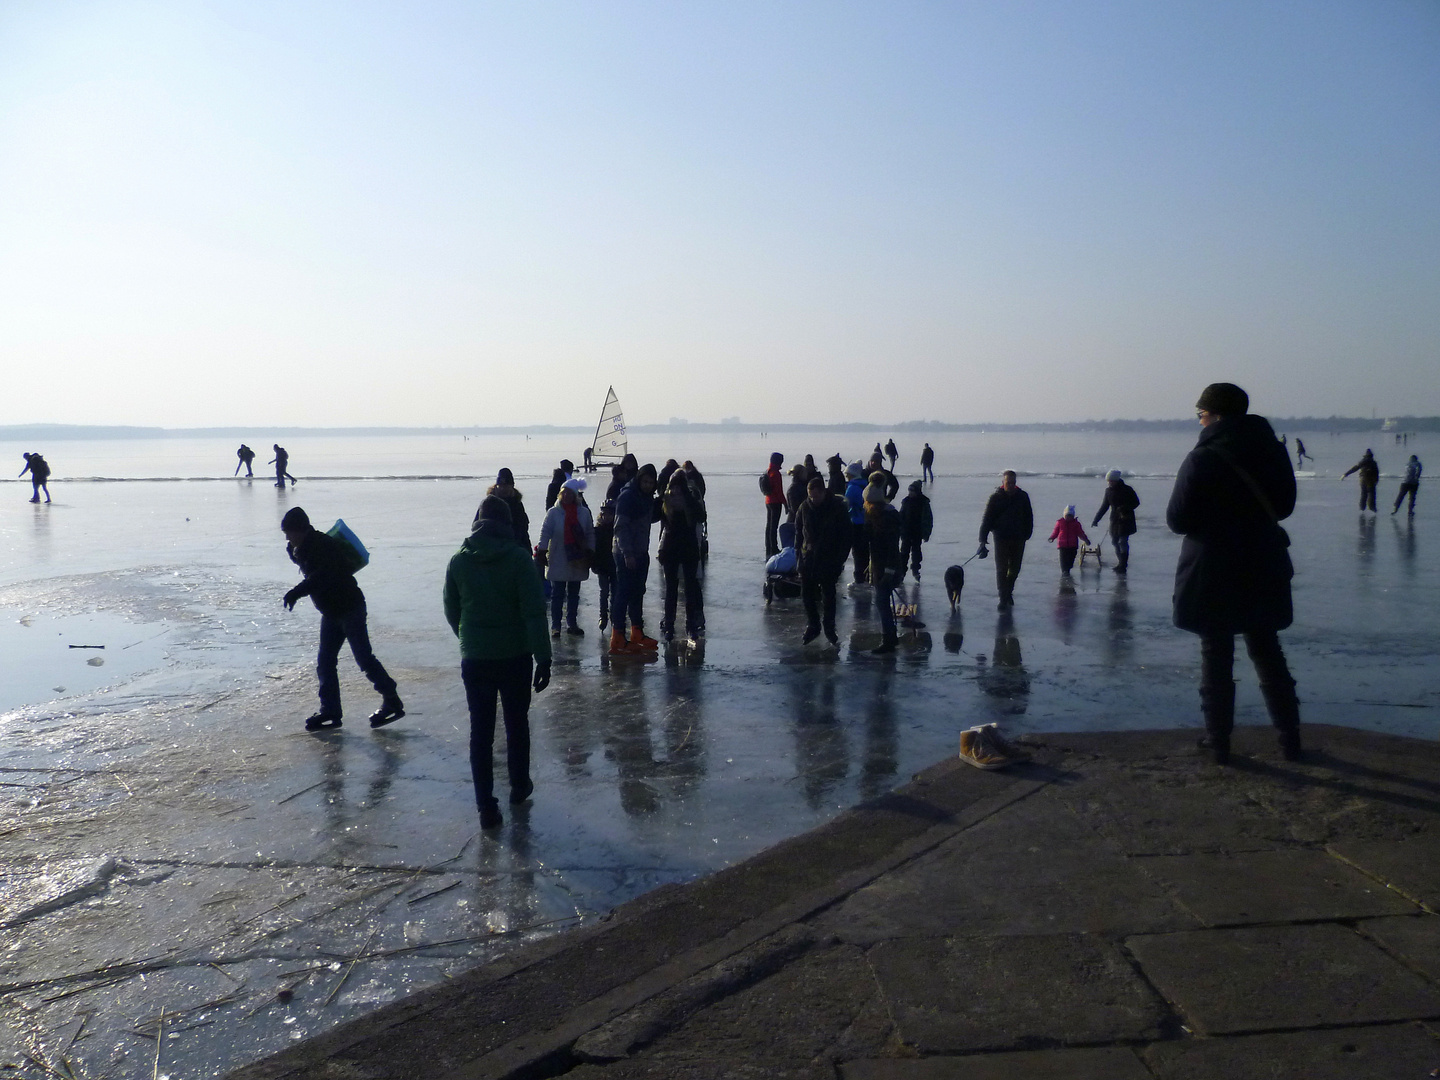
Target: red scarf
574, 537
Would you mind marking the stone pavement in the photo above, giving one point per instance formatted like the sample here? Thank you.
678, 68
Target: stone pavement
1117, 909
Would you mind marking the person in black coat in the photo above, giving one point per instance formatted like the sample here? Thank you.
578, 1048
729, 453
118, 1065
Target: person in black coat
1120, 501
916, 522
1233, 575
836, 482
330, 584
822, 542
795, 493
679, 555
1009, 518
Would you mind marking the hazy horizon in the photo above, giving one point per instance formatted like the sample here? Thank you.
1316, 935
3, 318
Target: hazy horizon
323, 214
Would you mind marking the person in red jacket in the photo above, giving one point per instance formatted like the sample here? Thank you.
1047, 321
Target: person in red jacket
1069, 532
772, 485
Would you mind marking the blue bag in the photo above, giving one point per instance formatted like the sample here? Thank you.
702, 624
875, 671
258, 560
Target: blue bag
359, 557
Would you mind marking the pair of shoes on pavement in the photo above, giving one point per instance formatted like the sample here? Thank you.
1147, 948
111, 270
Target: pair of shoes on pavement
391, 709
985, 748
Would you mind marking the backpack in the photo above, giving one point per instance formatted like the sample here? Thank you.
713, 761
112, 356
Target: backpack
355, 554
765, 483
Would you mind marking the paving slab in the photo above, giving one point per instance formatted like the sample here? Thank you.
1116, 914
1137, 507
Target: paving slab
1411, 866
702, 1069
1392, 1052
1277, 977
1291, 885
1100, 1063
1415, 939
956, 994
1035, 869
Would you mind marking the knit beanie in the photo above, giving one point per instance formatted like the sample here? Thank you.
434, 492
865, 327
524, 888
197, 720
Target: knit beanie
294, 518
505, 476
494, 508
1224, 399
875, 492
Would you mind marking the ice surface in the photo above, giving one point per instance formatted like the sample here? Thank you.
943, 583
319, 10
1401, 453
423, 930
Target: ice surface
283, 858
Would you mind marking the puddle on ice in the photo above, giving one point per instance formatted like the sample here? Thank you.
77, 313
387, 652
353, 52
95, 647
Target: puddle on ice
47, 657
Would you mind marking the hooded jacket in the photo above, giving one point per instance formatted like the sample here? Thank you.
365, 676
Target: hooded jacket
551, 542
884, 533
519, 520
679, 529
917, 520
1234, 570
1069, 532
1413, 468
493, 598
855, 497
329, 580
635, 512
822, 537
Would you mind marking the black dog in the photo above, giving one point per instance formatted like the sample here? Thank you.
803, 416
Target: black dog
954, 583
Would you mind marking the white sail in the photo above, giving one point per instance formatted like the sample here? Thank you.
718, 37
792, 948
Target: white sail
610, 442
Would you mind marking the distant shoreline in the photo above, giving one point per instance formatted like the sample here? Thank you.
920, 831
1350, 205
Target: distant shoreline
38, 432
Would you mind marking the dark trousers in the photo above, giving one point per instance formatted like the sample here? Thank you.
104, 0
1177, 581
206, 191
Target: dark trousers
818, 594
510, 679
694, 597
1067, 559
1407, 489
629, 598
564, 594
1367, 496
1122, 550
860, 545
606, 582
910, 554
1008, 555
773, 513
887, 612
1217, 681
335, 630
927, 473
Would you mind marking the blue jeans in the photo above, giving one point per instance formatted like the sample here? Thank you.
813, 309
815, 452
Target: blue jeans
629, 598
510, 680
335, 630
563, 595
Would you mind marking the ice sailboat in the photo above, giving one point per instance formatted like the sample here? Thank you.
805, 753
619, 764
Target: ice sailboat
610, 442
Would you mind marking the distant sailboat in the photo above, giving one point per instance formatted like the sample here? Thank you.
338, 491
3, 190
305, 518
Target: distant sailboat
610, 441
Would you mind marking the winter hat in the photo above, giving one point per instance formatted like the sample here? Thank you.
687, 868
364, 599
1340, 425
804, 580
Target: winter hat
294, 518
1225, 399
505, 476
854, 470
1069, 511
875, 490
777, 458
799, 470
576, 484
917, 485
493, 508
1113, 474
567, 464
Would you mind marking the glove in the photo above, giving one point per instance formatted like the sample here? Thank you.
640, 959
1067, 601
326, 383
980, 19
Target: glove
542, 676
291, 597
983, 553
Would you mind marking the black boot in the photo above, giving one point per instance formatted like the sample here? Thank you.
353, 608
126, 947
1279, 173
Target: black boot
1218, 705
1284, 708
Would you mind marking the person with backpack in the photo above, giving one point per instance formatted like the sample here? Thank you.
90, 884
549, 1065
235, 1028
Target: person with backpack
329, 565
39, 470
772, 486
1121, 502
916, 522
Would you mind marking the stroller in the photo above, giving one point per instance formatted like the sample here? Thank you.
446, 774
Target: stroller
782, 571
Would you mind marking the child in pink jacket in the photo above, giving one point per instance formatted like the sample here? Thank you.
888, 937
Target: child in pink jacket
1070, 532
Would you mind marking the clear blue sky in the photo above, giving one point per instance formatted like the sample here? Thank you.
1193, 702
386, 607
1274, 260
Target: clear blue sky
437, 213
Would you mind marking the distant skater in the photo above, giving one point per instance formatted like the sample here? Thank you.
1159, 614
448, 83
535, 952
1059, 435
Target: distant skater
1369, 470
927, 464
1009, 518
1233, 575
1300, 454
892, 453
917, 521
772, 487
281, 461
246, 456
39, 470
1069, 532
330, 584
1120, 502
495, 606
1410, 485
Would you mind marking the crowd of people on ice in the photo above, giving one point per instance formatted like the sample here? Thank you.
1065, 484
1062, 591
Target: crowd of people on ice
1233, 575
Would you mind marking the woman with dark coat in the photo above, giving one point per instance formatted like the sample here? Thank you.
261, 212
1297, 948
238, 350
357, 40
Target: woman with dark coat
1233, 575
797, 492
504, 488
679, 554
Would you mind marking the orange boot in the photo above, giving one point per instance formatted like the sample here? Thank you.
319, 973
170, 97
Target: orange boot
638, 640
618, 645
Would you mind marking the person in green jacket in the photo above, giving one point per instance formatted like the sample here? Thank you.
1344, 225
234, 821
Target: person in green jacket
496, 606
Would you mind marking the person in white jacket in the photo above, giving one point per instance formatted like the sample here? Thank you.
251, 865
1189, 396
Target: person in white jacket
567, 542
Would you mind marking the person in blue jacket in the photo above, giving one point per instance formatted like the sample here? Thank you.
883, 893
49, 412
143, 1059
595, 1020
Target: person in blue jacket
859, 538
636, 509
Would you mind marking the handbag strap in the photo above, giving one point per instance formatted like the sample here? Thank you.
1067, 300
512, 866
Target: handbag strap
1250, 482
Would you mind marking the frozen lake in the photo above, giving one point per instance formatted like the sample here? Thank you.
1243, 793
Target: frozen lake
166, 816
